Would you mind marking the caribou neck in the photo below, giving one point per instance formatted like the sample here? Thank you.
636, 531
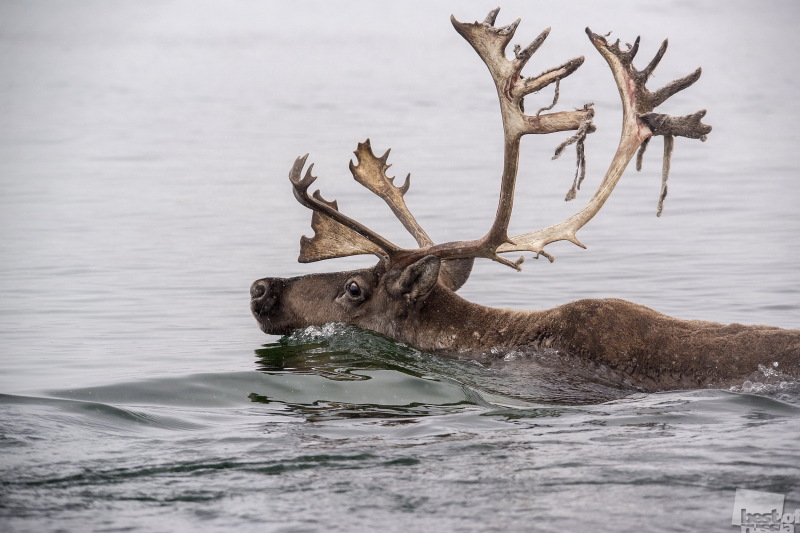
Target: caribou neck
447, 322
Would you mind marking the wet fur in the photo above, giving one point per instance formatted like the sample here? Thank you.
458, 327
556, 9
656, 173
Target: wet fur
654, 351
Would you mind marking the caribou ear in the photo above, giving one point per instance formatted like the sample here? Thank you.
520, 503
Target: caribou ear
455, 272
416, 280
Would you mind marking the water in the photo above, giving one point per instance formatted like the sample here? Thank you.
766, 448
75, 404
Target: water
144, 150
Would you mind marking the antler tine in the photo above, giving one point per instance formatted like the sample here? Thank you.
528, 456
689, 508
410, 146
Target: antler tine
490, 43
639, 124
491, 17
335, 234
371, 173
661, 95
648, 70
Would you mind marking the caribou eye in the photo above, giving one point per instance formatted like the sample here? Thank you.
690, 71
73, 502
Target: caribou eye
353, 289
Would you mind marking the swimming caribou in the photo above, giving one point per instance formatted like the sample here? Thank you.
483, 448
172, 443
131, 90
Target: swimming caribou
410, 294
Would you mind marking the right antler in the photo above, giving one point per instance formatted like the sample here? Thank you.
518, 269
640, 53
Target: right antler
337, 235
639, 123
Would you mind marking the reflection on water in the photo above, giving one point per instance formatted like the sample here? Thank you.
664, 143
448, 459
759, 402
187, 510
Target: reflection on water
343, 352
293, 443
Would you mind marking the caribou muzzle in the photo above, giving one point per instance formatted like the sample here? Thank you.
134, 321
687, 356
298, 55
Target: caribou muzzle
264, 295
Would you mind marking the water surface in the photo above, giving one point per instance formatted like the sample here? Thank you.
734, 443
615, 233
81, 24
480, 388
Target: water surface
144, 151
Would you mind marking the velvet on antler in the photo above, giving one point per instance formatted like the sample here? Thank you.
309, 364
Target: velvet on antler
337, 235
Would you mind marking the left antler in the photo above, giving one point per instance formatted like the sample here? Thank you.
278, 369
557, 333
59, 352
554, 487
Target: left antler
337, 235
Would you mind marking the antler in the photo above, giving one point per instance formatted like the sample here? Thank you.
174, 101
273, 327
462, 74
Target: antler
639, 123
337, 235
490, 43
371, 173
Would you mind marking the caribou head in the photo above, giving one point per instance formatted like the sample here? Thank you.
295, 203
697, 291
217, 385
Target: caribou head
410, 294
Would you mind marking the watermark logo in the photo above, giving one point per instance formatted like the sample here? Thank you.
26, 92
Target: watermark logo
757, 512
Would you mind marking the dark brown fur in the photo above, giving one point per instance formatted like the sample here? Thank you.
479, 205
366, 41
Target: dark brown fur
411, 305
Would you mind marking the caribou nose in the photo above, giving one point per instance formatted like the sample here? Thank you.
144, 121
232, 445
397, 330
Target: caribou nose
258, 289
264, 294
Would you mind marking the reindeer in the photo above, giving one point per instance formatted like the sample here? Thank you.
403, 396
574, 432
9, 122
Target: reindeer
410, 294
